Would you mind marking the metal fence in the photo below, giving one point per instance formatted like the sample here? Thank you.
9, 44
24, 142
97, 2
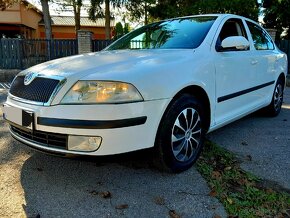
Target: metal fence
23, 53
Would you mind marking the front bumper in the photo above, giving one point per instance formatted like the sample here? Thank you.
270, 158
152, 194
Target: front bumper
123, 127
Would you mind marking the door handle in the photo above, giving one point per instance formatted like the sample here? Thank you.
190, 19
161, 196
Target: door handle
254, 62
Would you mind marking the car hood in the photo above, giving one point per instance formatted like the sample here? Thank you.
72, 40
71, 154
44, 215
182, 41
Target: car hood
100, 64
145, 69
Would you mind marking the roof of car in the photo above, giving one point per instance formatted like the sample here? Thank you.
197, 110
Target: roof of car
221, 16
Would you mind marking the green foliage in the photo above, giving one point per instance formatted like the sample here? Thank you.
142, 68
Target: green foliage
7, 3
119, 30
276, 15
163, 9
241, 193
97, 11
126, 28
172, 8
140, 9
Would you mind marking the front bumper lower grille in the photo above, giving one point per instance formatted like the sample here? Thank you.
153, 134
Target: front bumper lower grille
39, 90
51, 140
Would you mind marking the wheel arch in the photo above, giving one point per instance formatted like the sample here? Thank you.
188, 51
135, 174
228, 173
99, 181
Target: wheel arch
282, 77
195, 91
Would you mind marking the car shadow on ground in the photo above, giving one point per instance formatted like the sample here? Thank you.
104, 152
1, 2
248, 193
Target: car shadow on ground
110, 187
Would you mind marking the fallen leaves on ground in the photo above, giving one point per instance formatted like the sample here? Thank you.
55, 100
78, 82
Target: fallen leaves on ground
216, 175
122, 206
238, 190
216, 216
173, 214
159, 200
213, 193
105, 194
93, 192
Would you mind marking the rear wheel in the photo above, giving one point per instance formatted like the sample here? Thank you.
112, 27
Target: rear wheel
274, 108
181, 134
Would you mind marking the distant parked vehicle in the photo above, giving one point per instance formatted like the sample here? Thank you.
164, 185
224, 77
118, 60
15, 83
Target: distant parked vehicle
165, 85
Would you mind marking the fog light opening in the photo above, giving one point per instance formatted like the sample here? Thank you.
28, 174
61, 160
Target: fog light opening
84, 143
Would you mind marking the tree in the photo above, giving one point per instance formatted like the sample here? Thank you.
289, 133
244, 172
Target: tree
119, 30
46, 18
126, 28
6, 4
72, 5
172, 8
45, 10
139, 9
96, 11
276, 15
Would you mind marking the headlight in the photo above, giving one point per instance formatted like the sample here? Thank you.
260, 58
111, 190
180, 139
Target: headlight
88, 92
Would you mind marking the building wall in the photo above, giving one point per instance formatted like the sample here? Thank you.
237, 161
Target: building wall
19, 19
68, 32
30, 18
11, 15
23, 20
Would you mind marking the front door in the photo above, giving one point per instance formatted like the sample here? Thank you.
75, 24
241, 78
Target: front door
236, 75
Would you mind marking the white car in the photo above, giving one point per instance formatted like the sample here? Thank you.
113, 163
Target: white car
164, 85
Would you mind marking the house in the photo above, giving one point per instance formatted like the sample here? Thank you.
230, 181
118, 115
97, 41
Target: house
20, 20
63, 27
23, 20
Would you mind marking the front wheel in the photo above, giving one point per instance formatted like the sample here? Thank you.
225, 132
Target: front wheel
181, 134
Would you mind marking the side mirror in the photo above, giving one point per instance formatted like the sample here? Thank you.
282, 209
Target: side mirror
236, 42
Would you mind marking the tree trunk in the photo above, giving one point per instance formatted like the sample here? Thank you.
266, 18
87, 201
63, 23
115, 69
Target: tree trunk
46, 18
77, 14
146, 14
107, 19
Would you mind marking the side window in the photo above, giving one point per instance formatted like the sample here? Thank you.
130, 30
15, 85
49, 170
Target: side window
261, 39
232, 27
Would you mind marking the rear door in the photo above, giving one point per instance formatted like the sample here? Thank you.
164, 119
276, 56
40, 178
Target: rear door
267, 60
235, 74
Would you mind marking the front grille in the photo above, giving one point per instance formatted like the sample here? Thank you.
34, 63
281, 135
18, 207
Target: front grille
52, 140
39, 90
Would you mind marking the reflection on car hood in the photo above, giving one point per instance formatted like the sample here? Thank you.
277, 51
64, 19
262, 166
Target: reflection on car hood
107, 62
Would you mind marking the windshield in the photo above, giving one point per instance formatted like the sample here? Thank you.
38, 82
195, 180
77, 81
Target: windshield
183, 33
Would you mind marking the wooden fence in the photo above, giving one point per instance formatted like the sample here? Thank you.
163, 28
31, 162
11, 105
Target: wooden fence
99, 45
284, 45
23, 53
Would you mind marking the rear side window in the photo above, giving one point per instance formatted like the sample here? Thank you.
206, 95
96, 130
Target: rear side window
262, 41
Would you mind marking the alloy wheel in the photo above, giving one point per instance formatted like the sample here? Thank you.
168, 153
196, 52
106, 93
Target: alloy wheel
278, 97
186, 135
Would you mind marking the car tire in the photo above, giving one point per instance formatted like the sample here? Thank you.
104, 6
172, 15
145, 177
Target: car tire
181, 135
274, 108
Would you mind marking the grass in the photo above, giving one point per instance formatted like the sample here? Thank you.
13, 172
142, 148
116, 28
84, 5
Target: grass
241, 193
